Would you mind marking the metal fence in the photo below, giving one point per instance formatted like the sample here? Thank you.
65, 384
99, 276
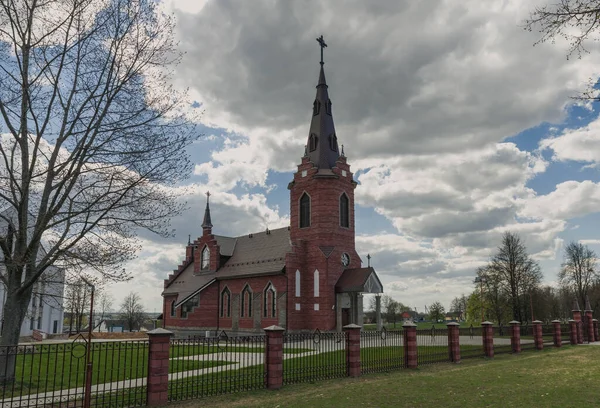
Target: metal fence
548, 334
55, 374
502, 336
565, 333
432, 346
471, 342
381, 351
309, 357
527, 342
203, 367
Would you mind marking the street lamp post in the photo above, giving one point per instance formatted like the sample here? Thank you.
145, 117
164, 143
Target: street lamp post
88, 358
480, 280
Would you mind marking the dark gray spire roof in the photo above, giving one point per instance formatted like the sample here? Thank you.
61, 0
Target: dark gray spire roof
323, 148
206, 223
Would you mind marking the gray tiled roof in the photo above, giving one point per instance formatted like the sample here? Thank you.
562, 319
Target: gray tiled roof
250, 255
262, 254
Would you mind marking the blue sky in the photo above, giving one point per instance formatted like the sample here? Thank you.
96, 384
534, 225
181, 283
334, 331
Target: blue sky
456, 127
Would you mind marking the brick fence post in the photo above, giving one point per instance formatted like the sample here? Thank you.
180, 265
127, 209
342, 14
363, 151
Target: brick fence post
556, 334
579, 324
352, 350
157, 390
410, 344
573, 332
453, 342
595, 323
538, 340
515, 336
487, 337
590, 325
274, 357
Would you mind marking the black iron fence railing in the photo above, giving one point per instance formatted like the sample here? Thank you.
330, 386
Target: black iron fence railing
527, 341
313, 356
381, 351
548, 334
502, 335
471, 342
55, 374
565, 332
201, 367
432, 346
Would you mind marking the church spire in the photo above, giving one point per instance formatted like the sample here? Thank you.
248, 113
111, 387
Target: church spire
323, 148
206, 223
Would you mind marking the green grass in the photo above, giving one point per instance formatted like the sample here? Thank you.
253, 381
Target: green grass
53, 368
553, 378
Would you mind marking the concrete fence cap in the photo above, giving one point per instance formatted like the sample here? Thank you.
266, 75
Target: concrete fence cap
351, 326
409, 324
594, 320
572, 321
537, 322
274, 328
555, 321
487, 323
514, 322
160, 330
452, 324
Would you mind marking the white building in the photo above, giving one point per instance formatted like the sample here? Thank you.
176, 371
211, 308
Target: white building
45, 312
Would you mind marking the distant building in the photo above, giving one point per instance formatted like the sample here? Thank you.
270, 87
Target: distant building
45, 312
305, 276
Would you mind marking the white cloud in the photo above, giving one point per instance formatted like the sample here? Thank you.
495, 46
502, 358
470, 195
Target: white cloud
582, 144
570, 199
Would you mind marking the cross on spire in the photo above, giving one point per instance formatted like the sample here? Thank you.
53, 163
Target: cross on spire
321, 42
207, 196
368, 260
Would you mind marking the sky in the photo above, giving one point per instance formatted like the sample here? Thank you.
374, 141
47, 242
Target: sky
456, 126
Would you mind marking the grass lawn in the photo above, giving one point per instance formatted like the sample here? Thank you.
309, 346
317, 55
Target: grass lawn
564, 377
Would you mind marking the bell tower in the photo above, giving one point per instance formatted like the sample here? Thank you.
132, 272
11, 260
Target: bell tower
321, 217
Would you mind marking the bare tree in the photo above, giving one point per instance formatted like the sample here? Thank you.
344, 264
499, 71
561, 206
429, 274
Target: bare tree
459, 305
574, 20
77, 304
515, 272
92, 139
132, 311
105, 302
579, 271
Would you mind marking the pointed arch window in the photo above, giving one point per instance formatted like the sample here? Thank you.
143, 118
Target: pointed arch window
344, 211
316, 107
173, 310
270, 301
333, 142
328, 107
225, 302
246, 302
205, 263
304, 211
313, 142
316, 283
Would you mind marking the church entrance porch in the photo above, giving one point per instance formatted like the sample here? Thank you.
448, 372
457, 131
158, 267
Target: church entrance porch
349, 295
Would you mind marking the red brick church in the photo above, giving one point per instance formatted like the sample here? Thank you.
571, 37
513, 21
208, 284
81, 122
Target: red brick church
306, 276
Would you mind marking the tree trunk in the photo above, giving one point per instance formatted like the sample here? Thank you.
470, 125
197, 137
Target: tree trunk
15, 309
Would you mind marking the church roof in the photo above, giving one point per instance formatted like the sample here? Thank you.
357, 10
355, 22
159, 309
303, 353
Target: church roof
363, 280
250, 255
257, 254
